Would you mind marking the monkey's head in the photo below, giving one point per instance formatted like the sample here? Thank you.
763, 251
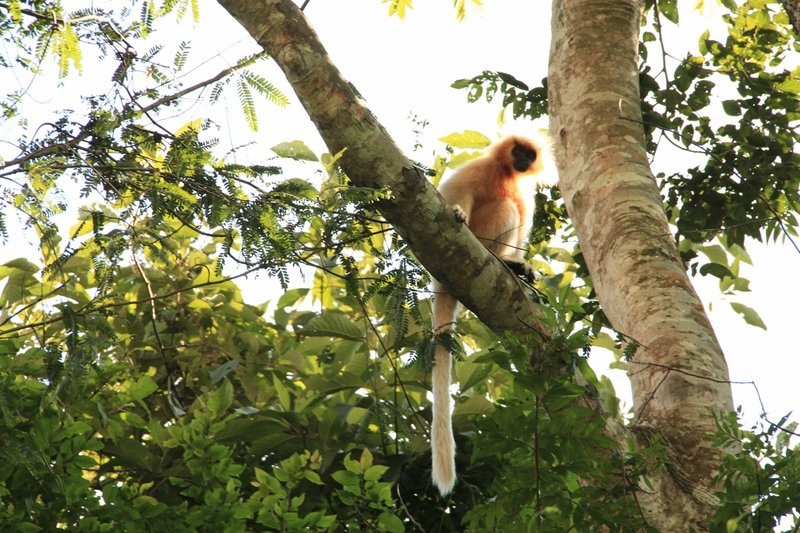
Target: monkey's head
521, 155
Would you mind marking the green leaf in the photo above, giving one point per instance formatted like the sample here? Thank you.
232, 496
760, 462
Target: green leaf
702, 43
17, 265
85, 461
715, 253
345, 478
294, 150
391, 522
141, 388
561, 394
365, 460
291, 297
791, 86
247, 429
716, 270
132, 419
355, 415
223, 370
313, 477
749, 314
333, 324
470, 373
467, 139
374, 473
221, 399
669, 8
476, 405
586, 370
732, 107
283, 393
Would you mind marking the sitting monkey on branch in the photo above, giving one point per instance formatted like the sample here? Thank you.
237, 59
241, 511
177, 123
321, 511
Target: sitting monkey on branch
494, 196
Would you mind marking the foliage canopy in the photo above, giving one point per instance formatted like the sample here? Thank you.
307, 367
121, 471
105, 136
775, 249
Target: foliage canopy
139, 391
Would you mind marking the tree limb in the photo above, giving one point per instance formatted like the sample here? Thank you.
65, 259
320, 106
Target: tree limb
371, 159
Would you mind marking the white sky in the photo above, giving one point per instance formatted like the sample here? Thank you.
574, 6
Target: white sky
405, 67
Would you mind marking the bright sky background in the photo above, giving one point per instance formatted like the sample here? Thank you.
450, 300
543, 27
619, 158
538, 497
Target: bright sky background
406, 67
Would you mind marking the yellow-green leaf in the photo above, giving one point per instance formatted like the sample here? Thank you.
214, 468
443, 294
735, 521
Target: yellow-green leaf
294, 150
283, 393
749, 314
467, 139
477, 405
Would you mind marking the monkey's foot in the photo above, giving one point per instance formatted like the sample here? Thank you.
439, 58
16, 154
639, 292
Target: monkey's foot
459, 213
522, 269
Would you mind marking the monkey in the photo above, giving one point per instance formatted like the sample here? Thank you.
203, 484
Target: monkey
494, 196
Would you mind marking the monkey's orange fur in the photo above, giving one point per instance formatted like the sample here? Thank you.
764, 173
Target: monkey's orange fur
494, 196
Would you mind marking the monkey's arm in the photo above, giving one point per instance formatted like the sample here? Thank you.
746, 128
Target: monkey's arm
458, 195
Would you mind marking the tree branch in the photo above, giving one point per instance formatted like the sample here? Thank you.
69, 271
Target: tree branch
371, 159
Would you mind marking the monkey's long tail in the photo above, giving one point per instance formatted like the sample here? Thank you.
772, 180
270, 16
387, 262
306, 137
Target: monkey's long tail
443, 447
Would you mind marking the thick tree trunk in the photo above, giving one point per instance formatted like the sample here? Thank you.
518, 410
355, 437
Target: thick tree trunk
678, 374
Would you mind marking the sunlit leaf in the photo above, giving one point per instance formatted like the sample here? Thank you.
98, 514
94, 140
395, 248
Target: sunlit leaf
749, 314
467, 139
294, 150
333, 324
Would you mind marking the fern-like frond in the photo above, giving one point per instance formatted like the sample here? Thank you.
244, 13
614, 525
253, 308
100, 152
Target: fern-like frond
182, 55
168, 5
150, 54
247, 103
398, 7
155, 73
265, 88
216, 91
146, 17
68, 50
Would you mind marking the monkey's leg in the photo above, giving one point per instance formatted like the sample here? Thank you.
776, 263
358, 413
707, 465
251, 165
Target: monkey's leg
522, 269
502, 221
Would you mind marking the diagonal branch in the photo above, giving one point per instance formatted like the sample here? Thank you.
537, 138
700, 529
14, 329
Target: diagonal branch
371, 159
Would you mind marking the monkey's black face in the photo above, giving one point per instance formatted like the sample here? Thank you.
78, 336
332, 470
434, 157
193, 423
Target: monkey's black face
523, 157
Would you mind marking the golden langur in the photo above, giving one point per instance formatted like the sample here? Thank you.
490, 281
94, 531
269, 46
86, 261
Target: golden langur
494, 196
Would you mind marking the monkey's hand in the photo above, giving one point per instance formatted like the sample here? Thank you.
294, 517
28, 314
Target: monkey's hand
460, 215
522, 269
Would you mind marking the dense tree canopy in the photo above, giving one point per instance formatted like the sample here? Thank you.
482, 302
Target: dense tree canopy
139, 390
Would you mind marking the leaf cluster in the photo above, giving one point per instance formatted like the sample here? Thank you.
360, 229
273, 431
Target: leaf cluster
759, 486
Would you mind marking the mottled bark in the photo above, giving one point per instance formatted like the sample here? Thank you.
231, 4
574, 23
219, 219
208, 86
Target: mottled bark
679, 374
371, 159
792, 8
